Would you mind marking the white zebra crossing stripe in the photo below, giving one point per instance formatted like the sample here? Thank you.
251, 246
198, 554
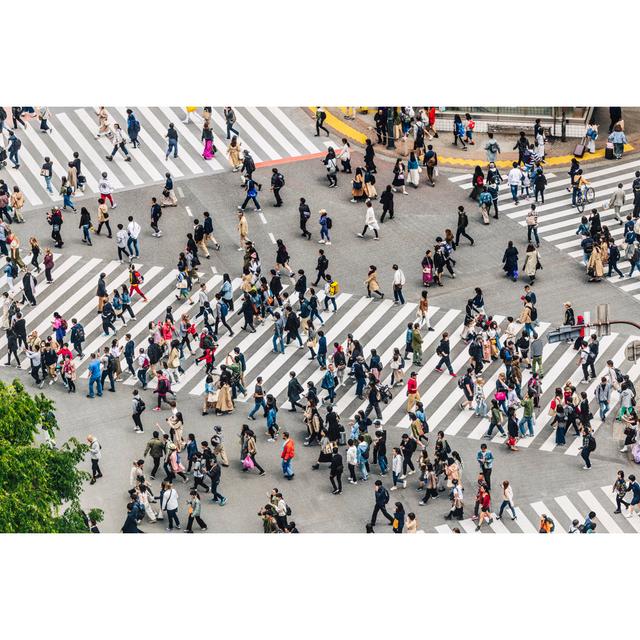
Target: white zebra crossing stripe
148, 140
293, 128
497, 525
468, 525
540, 508
139, 156
61, 143
65, 302
275, 133
458, 364
442, 325
38, 143
99, 341
523, 522
186, 135
605, 343
618, 359
349, 394
570, 511
333, 334
443, 528
47, 301
245, 125
633, 521
88, 150
107, 146
220, 129
602, 514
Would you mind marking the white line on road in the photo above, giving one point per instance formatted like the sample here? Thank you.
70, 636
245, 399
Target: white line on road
264, 220
180, 192
273, 238
189, 211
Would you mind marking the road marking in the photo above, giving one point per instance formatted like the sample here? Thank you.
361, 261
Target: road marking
601, 513
150, 142
273, 238
289, 124
540, 508
634, 522
180, 192
189, 212
264, 220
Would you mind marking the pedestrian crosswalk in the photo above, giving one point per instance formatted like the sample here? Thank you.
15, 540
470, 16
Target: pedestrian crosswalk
563, 510
378, 325
558, 221
270, 133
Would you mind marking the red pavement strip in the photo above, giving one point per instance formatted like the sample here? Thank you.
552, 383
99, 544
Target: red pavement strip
309, 156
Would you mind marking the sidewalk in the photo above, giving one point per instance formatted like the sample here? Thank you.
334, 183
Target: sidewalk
557, 153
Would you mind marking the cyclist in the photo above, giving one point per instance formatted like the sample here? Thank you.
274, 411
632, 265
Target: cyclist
579, 184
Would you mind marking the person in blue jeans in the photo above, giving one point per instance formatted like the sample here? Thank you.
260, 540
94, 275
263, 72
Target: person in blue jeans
363, 456
172, 138
258, 398
328, 383
322, 349
603, 395
94, 376
278, 333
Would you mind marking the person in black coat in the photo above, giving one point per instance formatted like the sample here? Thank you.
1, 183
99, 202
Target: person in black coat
614, 256
386, 200
29, 288
247, 311
335, 472
369, 154
332, 422
301, 285
510, 261
294, 391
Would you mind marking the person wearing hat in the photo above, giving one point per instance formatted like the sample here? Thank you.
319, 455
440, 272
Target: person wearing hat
569, 315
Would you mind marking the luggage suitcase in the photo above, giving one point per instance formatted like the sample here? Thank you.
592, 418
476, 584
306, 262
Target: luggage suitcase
427, 276
608, 152
578, 152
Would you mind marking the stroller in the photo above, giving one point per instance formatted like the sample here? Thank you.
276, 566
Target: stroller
385, 393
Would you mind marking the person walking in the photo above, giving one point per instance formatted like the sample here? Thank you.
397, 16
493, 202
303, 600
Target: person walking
461, 228
106, 190
277, 182
95, 453
381, 498
507, 501
485, 460
230, 121
169, 503
398, 283
370, 222
118, 143
287, 455
194, 510
321, 116
172, 142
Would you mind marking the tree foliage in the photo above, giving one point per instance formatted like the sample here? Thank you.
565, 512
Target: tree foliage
40, 484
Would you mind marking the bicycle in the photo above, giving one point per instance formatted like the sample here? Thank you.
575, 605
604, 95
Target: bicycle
586, 195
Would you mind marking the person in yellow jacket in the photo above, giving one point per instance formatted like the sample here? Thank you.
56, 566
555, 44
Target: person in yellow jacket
189, 111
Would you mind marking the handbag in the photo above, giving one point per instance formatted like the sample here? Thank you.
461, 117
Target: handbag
247, 463
500, 396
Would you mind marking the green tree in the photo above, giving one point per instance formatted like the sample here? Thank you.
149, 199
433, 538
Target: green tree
40, 484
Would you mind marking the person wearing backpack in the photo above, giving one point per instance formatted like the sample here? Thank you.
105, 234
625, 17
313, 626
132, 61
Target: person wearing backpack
108, 369
137, 407
588, 446
381, 497
277, 182
133, 128
331, 289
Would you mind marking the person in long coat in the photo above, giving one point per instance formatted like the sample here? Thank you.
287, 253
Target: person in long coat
29, 287
372, 282
357, 186
510, 261
531, 261
595, 268
233, 151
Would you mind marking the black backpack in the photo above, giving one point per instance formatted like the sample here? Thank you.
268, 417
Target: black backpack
592, 443
619, 376
141, 405
3, 114
14, 270
18, 143
77, 333
385, 495
329, 222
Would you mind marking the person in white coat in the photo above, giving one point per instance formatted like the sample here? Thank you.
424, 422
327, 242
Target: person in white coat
370, 222
352, 460
118, 143
396, 470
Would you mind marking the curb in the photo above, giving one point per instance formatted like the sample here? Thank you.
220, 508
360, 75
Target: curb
550, 161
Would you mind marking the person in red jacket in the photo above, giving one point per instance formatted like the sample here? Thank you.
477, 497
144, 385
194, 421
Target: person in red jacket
413, 395
287, 455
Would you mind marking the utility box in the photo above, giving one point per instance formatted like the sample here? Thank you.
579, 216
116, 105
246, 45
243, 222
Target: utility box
632, 351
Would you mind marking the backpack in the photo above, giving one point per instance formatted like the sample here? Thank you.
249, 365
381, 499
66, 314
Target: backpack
385, 495
141, 405
163, 387
77, 333
224, 309
280, 180
534, 313
14, 270
64, 324
329, 222
592, 443
460, 383
333, 288
111, 363
18, 143
493, 147
552, 525
69, 191
251, 165
3, 114
619, 376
